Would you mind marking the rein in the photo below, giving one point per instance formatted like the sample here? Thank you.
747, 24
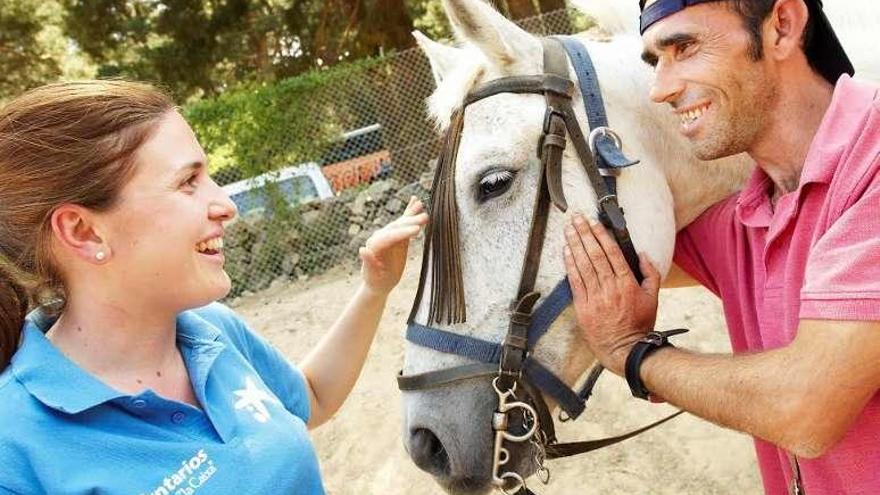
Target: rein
520, 381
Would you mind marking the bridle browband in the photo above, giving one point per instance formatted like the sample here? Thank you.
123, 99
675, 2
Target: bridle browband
516, 373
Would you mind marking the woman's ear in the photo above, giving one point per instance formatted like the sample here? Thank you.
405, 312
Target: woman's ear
76, 233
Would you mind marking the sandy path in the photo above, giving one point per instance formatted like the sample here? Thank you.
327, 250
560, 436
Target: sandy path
361, 449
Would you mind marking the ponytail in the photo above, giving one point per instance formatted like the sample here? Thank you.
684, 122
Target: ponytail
13, 309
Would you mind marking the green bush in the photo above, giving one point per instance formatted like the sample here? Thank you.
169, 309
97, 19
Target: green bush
261, 127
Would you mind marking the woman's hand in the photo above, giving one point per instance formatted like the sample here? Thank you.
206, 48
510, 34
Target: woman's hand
384, 256
613, 310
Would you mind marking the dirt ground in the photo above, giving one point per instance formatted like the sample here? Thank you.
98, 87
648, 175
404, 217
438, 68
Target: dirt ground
361, 450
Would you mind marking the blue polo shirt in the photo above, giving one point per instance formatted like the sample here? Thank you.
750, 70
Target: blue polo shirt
63, 431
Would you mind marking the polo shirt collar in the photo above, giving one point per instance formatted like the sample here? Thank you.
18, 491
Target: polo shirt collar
59, 383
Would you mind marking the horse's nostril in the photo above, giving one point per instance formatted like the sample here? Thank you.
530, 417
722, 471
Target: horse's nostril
428, 453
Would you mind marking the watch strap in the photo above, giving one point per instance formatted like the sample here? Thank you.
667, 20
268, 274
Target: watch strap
639, 351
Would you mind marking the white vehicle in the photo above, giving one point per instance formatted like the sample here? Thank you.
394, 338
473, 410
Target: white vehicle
299, 184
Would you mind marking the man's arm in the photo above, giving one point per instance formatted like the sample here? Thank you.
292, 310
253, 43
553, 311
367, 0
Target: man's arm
802, 397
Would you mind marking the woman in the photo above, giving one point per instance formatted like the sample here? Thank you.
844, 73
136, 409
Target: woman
129, 378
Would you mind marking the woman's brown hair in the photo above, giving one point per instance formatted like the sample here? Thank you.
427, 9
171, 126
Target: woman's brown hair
63, 143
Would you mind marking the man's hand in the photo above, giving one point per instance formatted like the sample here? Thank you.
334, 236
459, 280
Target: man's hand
613, 310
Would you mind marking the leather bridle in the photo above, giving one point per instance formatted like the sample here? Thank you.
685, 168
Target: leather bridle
519, 379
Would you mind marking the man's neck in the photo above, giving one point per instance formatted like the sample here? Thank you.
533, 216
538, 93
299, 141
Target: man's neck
782, 148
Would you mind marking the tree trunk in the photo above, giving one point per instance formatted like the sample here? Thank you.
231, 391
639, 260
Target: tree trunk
387, 26
551, 5
520, 9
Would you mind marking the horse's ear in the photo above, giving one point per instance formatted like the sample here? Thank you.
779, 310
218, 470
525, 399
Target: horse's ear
503, 43
443, 58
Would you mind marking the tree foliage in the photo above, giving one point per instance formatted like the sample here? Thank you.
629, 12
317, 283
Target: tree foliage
29, 54
202, 47
261, 127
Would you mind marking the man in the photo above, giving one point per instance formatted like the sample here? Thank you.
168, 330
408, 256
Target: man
795, 257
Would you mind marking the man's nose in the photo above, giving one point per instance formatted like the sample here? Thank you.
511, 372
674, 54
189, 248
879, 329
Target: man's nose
667, 86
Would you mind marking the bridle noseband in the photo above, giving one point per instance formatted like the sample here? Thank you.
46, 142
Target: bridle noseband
519, 379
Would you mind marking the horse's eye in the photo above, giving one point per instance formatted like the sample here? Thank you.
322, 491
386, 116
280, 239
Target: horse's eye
495, 183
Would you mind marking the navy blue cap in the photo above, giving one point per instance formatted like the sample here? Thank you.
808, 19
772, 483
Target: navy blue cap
823, 49
662, 9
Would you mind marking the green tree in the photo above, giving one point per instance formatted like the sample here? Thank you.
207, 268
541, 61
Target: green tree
34, 49
202, 47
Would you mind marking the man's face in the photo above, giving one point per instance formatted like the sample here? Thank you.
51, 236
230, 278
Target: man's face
704, 70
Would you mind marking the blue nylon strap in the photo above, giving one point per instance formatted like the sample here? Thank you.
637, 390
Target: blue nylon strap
588, 81
549, 310
489, 352
610, 156
453, 343
550, 384
665, 8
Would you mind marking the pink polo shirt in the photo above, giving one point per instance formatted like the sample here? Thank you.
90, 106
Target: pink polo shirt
817, 256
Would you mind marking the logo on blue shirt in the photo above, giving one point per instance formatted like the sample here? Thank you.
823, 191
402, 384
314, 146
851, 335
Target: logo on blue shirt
193, 473
251, 399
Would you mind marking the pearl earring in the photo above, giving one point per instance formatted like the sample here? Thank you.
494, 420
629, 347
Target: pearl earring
100, 255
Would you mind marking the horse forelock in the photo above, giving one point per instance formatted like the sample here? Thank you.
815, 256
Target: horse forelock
447, 302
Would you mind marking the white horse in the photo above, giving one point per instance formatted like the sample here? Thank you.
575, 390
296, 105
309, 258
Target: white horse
447, 429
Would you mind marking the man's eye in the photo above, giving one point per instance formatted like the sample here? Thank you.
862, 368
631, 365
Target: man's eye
494, 183
685, 50
192, 181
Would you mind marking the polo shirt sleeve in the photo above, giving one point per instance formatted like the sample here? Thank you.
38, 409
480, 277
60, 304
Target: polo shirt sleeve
284, 378
702, 247
842, 279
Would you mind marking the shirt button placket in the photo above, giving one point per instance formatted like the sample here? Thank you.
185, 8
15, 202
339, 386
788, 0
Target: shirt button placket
178, 417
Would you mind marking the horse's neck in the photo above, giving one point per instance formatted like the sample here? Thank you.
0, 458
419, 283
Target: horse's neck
650, 132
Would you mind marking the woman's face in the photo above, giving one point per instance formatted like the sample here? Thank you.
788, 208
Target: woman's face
165, 233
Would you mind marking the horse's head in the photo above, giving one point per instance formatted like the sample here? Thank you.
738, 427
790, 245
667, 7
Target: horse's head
487, 194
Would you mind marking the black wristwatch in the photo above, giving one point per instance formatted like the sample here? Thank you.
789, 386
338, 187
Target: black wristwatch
650, 343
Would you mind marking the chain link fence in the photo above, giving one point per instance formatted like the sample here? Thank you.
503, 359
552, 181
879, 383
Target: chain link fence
368, 146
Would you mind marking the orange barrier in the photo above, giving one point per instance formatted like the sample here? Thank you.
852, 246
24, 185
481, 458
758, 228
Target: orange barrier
350, 173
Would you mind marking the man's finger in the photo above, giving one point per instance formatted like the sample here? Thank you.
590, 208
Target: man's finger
651, 283
581, 259
578, 291
612, 250
594, 250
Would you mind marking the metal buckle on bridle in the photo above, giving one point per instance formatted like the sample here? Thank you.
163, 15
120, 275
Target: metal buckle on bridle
595, 134
501, 455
